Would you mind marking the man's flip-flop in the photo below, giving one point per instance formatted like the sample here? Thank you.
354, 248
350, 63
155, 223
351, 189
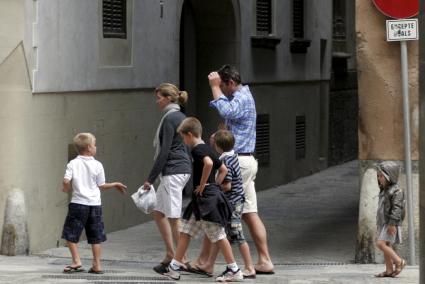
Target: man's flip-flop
91, 270
73, 269
264, 272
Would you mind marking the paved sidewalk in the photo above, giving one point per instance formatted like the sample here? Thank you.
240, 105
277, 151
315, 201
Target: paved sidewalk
311, 225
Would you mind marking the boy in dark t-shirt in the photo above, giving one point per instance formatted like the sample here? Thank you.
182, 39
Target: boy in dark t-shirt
209, 210
224, 141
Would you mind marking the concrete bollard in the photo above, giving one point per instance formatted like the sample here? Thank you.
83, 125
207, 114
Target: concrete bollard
366, 251
15, 234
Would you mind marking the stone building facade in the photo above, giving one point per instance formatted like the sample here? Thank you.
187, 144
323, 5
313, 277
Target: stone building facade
68, 66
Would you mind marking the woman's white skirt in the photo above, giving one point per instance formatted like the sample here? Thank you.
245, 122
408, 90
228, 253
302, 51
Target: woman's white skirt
170, 193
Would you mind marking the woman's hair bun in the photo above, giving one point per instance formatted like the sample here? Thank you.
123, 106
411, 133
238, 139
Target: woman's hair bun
183, 97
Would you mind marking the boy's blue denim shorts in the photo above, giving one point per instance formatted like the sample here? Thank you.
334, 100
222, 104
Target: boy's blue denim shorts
84, 217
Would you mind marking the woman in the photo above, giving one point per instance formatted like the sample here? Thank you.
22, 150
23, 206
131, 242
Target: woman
172, 165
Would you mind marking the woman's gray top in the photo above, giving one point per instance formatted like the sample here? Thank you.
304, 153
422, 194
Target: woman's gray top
173, 157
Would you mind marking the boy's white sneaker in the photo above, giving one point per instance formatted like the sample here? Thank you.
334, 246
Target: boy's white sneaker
229, 276
172, 274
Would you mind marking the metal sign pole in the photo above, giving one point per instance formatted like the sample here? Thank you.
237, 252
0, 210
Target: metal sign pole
408, 166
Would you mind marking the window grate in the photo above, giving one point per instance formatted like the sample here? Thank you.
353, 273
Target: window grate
298, 18
109, 278
300, 137
262, 146
114, 19
264, 17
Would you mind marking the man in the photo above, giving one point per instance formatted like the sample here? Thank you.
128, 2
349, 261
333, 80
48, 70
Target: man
236, 105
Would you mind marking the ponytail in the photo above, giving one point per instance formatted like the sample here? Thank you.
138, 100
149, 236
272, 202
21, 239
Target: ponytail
183, 97
170, 90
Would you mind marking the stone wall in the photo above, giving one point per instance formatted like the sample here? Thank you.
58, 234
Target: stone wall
37, 130
381, 130
380, 97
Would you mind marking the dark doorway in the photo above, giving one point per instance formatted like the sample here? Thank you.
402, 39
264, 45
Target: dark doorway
208, 39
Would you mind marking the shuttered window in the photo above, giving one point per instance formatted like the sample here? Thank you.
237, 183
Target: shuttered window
298, 18
262, 146
264, 17
114, 18
300, 136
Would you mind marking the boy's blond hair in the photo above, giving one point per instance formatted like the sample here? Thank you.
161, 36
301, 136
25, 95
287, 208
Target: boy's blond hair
82, 141
192, 125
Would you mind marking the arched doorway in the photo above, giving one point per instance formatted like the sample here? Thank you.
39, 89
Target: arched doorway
209, 38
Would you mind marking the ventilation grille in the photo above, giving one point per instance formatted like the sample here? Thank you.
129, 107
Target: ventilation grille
114, 19
262, 146
264, 17
300, 131
108, 278
298, 18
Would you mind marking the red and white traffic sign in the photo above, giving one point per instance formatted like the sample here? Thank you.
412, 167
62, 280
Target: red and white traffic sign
398, 9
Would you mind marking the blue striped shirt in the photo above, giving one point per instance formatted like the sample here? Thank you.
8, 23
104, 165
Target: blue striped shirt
236, 194
240, 118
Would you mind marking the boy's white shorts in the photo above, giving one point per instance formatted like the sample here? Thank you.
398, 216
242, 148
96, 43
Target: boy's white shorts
169, 195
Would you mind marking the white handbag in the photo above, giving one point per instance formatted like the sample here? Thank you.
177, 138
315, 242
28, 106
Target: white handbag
145, 200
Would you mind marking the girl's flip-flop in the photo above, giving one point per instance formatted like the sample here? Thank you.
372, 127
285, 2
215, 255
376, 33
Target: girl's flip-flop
384, 274
399, 268
73, 269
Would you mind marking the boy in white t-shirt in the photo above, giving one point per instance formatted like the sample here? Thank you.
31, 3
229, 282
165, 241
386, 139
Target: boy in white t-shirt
85, 176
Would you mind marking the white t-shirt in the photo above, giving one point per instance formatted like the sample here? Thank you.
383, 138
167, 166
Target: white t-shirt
86, 175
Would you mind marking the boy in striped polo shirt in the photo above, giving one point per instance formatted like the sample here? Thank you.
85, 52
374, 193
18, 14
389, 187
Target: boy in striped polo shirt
233, 190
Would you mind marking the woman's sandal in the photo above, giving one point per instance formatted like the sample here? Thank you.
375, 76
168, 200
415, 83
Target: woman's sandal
384, 274
73, 269
399, 268
91, 270
249, 276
